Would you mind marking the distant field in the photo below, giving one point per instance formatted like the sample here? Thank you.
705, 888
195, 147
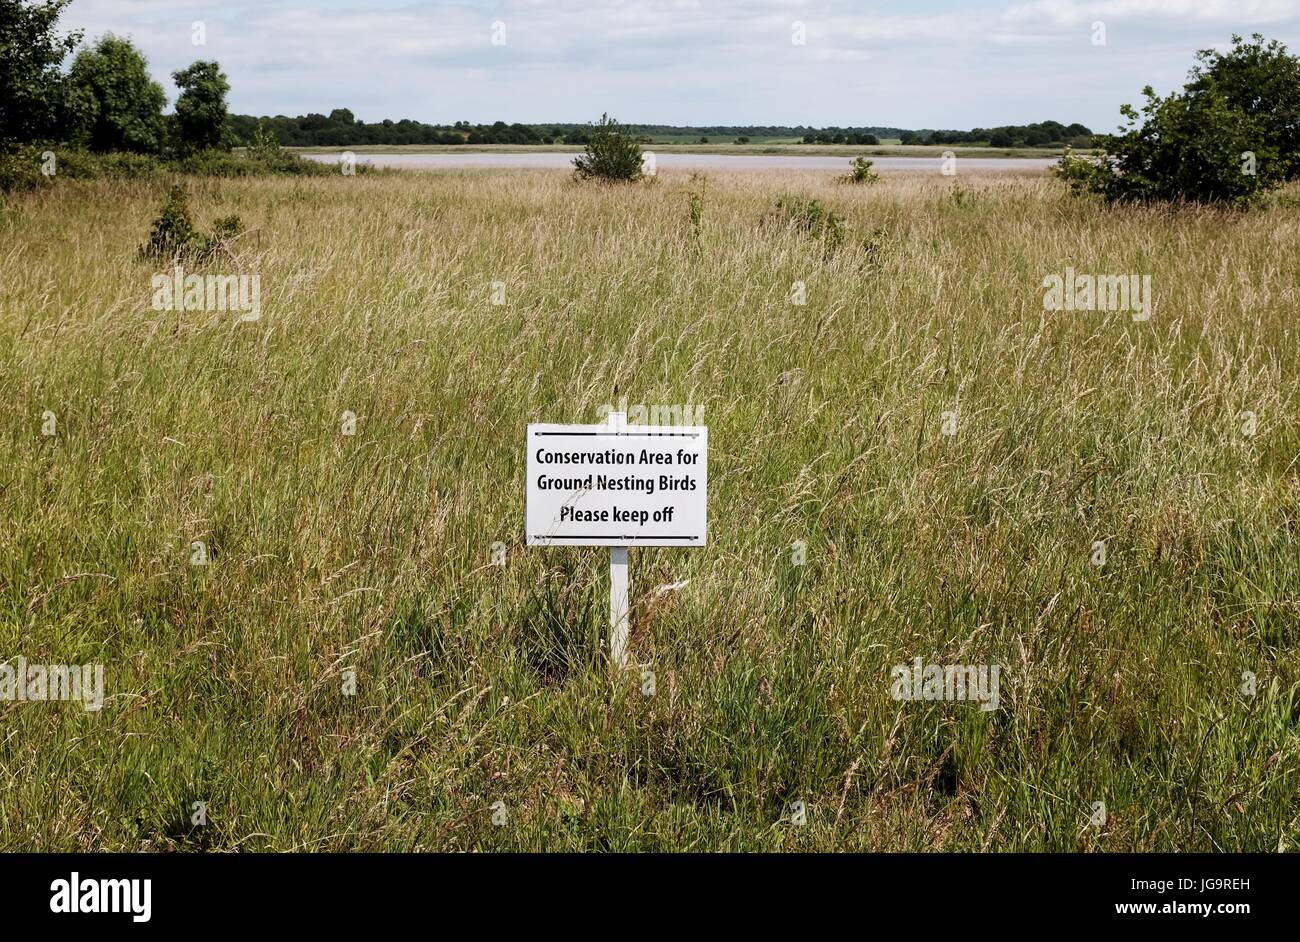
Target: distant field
949, 454
845, 150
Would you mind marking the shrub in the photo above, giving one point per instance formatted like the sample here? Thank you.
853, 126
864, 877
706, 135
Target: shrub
174, 235
82, 165
266, 146
20, 170
859, 172
1261, 79
227, 228
874, 246
1218, 141
961, 197
811, 217
611, 154
1192, 148
255, 163
173, 231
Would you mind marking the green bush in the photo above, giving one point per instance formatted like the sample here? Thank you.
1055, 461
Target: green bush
811, 217
611, 154
20, 170
1215, 142
174, 235
253, 163
1261, 79
860, 172
75, 164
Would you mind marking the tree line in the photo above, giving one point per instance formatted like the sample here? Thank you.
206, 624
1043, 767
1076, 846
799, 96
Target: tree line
1045, 134
340, 128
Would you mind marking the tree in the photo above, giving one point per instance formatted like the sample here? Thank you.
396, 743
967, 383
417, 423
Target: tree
116, 105
1228, 137
31, 86
1184, 147
611, 154
1261, 80
201, 115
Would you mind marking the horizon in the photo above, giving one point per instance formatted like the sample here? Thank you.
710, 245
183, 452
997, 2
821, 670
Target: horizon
687, 63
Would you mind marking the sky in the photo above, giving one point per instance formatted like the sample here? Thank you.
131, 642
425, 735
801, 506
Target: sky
918, 64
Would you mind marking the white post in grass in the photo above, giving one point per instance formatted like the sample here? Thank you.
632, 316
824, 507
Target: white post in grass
659, 499
619, 605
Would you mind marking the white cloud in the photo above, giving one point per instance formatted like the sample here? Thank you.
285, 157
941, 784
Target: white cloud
929, 63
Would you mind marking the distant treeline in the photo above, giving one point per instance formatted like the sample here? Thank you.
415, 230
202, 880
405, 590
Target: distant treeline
1011, 135
340, 128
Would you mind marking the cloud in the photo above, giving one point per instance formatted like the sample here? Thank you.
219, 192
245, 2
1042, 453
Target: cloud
931, 63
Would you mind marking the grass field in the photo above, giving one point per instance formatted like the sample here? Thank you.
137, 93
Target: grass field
478, 684
717, 147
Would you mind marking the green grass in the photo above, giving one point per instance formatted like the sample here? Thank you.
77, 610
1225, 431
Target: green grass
480, 684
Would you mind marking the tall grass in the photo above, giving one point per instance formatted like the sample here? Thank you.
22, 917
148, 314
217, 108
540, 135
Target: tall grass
479, 684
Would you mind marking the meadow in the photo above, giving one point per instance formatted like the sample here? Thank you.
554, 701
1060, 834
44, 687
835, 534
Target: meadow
949, 453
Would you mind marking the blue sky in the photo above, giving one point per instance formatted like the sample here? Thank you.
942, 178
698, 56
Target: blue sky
926, 63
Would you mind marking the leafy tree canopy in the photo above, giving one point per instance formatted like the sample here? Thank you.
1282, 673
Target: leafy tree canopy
31, 86
115, 104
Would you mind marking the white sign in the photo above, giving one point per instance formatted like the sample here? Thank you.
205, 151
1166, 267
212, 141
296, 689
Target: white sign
617, 485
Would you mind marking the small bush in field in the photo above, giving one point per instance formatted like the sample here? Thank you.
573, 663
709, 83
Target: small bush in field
174, 235
811, 217
859, 172
612, 154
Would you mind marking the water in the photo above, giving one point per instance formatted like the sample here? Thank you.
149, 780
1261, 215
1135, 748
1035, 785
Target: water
551, 160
